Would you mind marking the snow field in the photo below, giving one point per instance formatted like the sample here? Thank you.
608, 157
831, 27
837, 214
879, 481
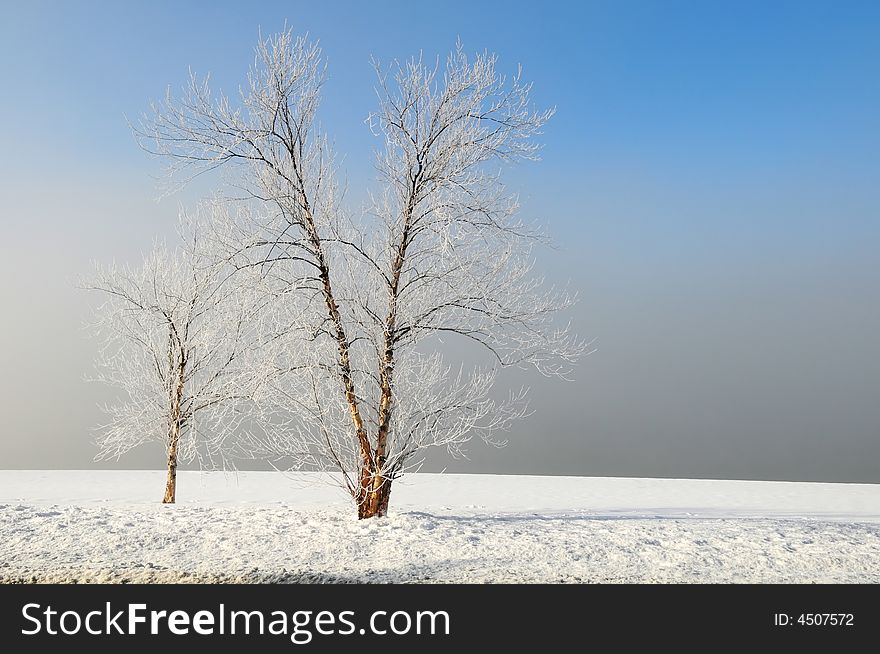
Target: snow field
68, 526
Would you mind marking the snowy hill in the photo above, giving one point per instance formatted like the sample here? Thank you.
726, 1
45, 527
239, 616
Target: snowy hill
263, 526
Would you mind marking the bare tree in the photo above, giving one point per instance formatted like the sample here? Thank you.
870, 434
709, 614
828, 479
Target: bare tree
182, 342
364, 385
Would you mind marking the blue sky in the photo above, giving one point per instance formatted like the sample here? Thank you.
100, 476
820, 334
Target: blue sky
712, 177
695, 100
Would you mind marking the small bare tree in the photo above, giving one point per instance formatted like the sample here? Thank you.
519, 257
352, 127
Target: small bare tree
364, 385
181, 341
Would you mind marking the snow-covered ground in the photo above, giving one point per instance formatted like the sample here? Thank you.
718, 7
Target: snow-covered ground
265, 526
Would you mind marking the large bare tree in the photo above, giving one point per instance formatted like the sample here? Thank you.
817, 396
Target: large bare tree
364, 383
182, 341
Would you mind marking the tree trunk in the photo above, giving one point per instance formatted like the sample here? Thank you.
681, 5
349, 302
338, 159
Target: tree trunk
373, 502
174, 421
375, 487
171, 482
344, 361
